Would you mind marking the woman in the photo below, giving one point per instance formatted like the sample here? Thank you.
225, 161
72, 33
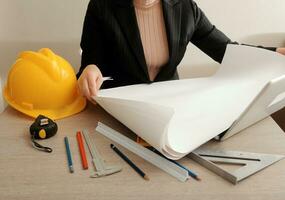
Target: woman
142, 41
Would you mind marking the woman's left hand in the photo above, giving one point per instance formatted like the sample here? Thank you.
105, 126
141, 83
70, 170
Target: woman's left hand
281, 50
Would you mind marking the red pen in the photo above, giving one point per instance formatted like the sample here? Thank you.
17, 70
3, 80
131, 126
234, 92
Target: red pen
82, 150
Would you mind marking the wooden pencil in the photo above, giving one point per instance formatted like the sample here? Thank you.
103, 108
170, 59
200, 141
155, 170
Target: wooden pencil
125, 158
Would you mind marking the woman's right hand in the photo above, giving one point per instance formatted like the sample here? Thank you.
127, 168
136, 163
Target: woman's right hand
90, 81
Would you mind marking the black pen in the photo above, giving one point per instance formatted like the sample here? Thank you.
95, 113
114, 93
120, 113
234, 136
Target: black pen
125, 158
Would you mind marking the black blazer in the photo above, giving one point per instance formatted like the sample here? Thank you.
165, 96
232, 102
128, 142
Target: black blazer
111, 39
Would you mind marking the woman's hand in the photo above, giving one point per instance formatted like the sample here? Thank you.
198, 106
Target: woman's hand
281, 50
90, 81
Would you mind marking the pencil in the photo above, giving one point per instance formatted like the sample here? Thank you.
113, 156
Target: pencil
125, 158
82, 150
70, 165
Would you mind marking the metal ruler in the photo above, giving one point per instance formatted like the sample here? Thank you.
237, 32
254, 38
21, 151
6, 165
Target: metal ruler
146, 154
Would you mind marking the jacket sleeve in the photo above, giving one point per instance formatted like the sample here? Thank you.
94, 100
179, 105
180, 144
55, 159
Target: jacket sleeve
208, 38
93, 44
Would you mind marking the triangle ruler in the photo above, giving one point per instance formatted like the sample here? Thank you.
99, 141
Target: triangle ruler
251, 162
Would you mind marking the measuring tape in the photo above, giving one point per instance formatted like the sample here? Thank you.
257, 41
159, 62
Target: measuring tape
42, 128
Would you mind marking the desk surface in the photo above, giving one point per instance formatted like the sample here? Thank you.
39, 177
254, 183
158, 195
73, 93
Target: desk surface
26, 173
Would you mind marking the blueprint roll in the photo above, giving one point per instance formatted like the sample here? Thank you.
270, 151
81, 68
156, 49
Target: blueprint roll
178, 116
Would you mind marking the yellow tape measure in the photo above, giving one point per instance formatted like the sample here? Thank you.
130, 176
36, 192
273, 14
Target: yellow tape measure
42, 128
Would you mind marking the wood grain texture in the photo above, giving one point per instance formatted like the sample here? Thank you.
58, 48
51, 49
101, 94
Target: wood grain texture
26, 173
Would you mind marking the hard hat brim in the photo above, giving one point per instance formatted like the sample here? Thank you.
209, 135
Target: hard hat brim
75, 107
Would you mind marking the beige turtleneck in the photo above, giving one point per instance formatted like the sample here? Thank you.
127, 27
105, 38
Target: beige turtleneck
153, 34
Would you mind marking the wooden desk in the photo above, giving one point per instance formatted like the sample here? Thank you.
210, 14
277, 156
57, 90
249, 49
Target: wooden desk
26, 173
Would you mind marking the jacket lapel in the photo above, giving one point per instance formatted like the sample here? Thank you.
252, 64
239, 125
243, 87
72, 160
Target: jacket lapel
172, 19
126, 16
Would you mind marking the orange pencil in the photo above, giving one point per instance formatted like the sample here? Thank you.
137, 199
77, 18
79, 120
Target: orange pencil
82, 150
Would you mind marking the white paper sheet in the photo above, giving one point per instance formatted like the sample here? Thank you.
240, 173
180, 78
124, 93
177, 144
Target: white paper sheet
178, 116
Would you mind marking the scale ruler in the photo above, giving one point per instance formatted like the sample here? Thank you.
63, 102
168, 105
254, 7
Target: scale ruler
100, 166
160, 162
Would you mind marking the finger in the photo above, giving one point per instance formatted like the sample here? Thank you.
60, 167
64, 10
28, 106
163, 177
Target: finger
92, 85
99, 82
85, 89
79, 87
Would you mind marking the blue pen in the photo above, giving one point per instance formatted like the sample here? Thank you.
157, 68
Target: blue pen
70, 165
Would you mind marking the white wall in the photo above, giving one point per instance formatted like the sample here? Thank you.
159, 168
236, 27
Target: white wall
57, 24
238, 19
33, 24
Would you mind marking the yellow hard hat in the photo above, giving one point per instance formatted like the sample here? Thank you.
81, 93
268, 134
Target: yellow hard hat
43, 83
